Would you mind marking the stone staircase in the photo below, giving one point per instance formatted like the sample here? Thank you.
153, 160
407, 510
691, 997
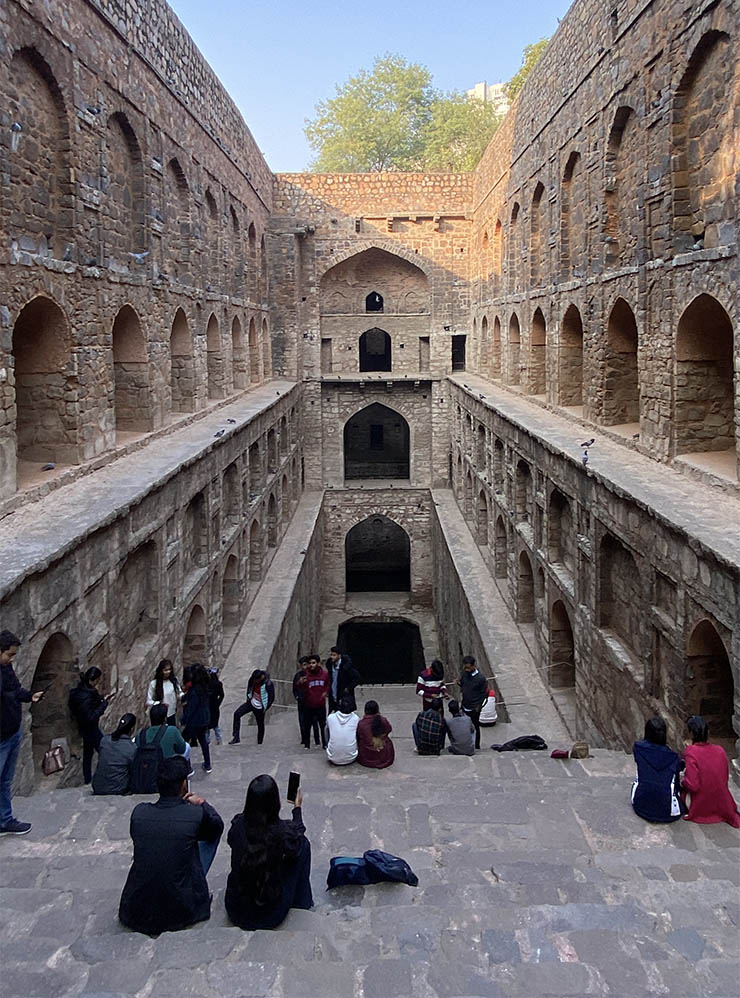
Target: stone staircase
535, 878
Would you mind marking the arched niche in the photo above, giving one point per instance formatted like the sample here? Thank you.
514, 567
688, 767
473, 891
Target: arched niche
501, 559
254, 467
350, 283
195, 646
621, 379
136, 605
561, 532
523, 492
525, 590
131, 378
562, 667
377, 556
124, 187
272, 521
514, 347
214, 359
482, 519
254, 354
376, 444
230, 510
195, 540
230, 597
374, 302
621, 599
255, 551
709, 686
266, 349
536, 365
570, 359
56, 671
177, 216
182, 365
495, 359
239, 358
375, 350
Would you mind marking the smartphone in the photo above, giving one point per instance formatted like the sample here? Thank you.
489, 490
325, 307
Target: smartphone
294, 782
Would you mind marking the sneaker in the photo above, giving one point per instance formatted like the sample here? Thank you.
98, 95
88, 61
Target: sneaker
207, 769
15, 827
219, 741
234, 741
191, 774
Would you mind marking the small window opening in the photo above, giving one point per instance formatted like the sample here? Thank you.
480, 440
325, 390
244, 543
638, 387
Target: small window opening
374, 302
458, 353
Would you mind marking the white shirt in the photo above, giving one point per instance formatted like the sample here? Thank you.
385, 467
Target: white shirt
342, 747
170, 696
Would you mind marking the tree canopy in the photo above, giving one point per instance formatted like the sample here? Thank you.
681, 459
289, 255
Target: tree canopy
530, 59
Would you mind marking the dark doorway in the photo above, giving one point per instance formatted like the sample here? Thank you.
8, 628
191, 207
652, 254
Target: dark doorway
378, 557
374, 302
387, 651
458, 353
375, 350
376, 444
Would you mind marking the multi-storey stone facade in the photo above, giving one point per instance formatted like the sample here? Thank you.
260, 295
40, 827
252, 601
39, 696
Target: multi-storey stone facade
460, 332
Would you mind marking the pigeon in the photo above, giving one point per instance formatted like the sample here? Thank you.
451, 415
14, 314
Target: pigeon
230, 420
92, 110
466, 386
219, 433
587, 443
49, 467
140, 257
635, 436
584, 459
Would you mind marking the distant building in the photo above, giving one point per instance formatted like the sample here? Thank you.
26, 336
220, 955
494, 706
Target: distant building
492, 93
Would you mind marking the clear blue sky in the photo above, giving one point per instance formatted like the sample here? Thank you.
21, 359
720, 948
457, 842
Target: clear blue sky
279, 59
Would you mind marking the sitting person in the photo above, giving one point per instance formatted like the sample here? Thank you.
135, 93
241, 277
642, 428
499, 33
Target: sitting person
706, 778
374, 747
461, 731
429, 729
341, 733
175, 841
270, 860
172, 742
115, 755
654, 791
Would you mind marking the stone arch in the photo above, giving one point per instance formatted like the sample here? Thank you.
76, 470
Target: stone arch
212, 259
195, 539
498, 248
561, 531
254, 462
525, 590
481, 525
263, 278
537, 347
272, 521
377, 556
481, 449
123, 182
41, 154
523, 491
374, 302
485, 357
195, 645
459, 478
621, 599
495, 366
621, 379
570, 359
254, 354
239, 359
182, 365
237, 253
709, 685
514, 249
704, 159
177, 214
283, 441
375, 350
623, 166
266, 350
272, 450
56, 671
255, 551
513, 350
501, 559
381, 246
230, 510
704, 418
252, 254
572, 218
469, 511
538, 235
214, 359
376, 444
295, 481
136, 605
46, 429
230, 597
285, 501
562, 665
132, 398
498, 465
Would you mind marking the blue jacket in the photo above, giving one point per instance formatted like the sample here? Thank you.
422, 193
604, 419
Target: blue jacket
655, 788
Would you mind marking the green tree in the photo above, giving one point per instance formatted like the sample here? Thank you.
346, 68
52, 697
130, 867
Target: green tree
530, 59
458, 132
377, 121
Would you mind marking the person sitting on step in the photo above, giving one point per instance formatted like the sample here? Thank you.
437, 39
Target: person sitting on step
115, 755
706, 778
341, 733
655, 789
429, 729
374, 746
461, 731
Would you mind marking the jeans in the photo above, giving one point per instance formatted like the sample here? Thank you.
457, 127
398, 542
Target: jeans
259, 716
90, 743
207, 852
474, 716
315, 717
199, 735
9, 750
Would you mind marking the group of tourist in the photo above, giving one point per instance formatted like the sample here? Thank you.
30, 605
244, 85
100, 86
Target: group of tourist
462, 727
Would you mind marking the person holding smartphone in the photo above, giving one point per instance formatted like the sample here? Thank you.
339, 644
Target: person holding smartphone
270, 858
87, 707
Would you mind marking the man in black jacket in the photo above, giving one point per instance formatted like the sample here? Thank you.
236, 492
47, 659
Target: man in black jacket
175, 841
12, 695
474, 691
343, 677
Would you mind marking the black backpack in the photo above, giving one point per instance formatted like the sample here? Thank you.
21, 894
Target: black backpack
146, 762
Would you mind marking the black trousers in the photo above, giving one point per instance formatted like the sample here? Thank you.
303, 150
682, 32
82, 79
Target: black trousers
315, 717
259, 716
474, 716
199, 735
90, 743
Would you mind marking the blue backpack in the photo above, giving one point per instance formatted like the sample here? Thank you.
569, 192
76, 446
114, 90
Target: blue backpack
373, 867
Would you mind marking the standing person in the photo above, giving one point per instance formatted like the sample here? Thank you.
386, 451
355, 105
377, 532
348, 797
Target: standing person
431, 684
374, 747
299, 693
341, 726
260, 697
87, 707
12, 695
706, 777
655, 788
164, 688
115, 757
474, 690
197, 713
175, 842
460, 731
270, 860
314, 701
215, 699
429, 729
343, 678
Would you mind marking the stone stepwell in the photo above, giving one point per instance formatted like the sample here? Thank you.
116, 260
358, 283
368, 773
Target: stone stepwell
535, 878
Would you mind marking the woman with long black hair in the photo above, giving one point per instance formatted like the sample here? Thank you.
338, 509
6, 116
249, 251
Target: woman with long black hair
196, 716
164, 688
115, 756
270, 860
87, 707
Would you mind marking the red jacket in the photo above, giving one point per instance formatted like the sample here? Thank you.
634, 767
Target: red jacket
706, 779
316, 688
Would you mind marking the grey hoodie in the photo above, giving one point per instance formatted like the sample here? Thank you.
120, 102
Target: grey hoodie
342, 747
